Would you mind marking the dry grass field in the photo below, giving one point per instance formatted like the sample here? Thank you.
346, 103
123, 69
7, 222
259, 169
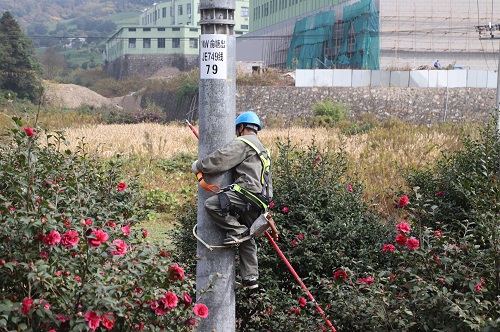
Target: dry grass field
376, 157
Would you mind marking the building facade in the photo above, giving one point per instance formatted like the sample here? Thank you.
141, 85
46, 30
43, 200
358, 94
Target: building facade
168, 30
369, 34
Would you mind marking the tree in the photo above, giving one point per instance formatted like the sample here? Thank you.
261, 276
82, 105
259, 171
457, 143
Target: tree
18, 68
53, 63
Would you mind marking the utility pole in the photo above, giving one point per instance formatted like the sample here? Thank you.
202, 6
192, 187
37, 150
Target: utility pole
486, 32
217, 113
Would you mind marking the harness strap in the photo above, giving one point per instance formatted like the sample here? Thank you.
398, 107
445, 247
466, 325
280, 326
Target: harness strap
247, 196
266, 165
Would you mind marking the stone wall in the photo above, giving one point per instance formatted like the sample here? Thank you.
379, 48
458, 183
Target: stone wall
148, 64
415, 105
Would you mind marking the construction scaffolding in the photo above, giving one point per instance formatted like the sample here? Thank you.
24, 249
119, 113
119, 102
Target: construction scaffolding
319, 41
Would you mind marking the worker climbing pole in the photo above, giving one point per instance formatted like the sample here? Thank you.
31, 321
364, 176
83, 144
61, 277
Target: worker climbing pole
217, 113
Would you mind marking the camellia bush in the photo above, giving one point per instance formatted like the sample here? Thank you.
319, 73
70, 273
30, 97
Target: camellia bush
71, 258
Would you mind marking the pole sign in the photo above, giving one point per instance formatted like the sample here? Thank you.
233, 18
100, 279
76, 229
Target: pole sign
213, 57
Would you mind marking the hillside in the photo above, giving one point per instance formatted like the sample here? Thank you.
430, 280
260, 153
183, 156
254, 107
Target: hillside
48, 13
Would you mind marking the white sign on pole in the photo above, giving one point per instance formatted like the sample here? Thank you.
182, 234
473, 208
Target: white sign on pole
213, 57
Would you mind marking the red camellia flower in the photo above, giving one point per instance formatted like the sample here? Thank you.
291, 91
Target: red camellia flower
126, 230
285, 210
93, 319
108, 320
30, 132
340, 275
440, 193
302, 301
120, 246
26, 306
295, 243
300, 237
99, 237
403, 201
349, 187
175, 272
367, 281
52, 238
295, 311
478, 288
401, 239
200, 310
88, 222
170, 300
70, 238
403, 227
121, 186
187, 299
438, 233
412, 243
388, 247
271, 205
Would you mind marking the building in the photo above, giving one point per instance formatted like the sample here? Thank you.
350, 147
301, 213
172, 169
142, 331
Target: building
167, 34
369, 34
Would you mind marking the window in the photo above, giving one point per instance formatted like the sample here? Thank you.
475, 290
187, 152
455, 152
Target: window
146, 43
176, 42
193, 29
193, 42
179, 11
161, 29
244, 26
164, 12
239, 32
176, 29
244, 11
188, 9
161, 42
146, 29
131, 43
171, 11
131, 29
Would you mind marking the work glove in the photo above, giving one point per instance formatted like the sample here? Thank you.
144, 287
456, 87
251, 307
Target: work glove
195, 169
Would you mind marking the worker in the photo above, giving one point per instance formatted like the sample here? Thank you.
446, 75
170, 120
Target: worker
437, 64
237, 206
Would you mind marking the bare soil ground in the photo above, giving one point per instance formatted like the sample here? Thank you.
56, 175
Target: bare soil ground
74, 96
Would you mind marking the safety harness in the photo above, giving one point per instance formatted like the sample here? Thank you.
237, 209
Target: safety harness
258, 201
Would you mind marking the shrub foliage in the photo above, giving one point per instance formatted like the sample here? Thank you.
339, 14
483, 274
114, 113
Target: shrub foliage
70, 256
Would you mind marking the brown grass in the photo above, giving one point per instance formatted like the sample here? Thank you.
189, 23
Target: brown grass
377, 157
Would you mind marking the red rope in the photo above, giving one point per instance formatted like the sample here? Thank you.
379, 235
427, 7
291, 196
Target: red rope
318, 308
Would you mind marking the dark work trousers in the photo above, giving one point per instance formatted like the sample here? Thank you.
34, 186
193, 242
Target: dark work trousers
249, 267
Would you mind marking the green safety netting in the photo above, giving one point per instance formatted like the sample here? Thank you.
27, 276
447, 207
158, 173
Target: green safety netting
314, 35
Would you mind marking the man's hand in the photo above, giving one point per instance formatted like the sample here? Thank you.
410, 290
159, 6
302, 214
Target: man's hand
195, 169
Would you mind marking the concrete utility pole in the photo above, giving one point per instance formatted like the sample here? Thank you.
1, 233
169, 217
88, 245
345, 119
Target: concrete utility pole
489, 35
217, 112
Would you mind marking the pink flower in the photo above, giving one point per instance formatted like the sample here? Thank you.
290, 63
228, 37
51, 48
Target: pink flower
388, 247
26, 306
340, 275
478, 287
120, 246
438, 233
145, 233
93, 319
349, 187
121, 186
403, 201
300, 237
295, 311
70, 238
401, 239
88, 222
200, 310
367, 281
52, 238
99, 237
285, 210
412, 244
77, 278
295, 243
30, 132
302, 301
175, 272
271, 205
126, 230
403, 227
170, 300
108, 320
187, 299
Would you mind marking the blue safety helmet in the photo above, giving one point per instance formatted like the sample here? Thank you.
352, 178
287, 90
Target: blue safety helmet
248, 117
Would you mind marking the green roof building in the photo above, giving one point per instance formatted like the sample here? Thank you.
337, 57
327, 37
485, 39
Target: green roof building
167, 34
